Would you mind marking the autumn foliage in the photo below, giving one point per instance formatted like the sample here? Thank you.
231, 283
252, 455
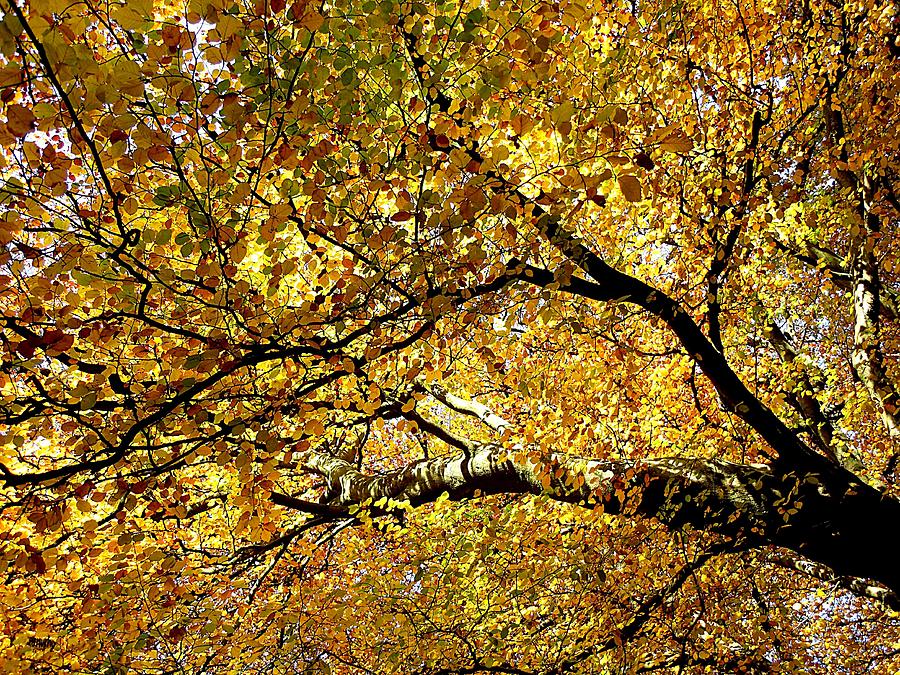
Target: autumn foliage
460, 336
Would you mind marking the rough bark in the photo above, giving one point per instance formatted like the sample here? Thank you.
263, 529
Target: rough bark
868, 295
821, 516
867, 357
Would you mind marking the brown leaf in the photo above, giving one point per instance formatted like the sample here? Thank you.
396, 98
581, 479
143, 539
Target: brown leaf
630, 187
171, 36
20, 120
643, 160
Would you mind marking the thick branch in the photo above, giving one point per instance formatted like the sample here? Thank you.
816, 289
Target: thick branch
814, 515
611, 285
868, 361
867, 357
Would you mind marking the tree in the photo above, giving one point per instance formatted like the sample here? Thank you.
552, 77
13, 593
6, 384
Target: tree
449, 337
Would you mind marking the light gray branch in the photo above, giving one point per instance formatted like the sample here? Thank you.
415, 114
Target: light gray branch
467, 407
853, 584
867, 358
815, 515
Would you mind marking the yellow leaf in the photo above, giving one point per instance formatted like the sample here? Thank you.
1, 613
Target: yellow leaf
677, 141
133, 14
314, 427
563, 112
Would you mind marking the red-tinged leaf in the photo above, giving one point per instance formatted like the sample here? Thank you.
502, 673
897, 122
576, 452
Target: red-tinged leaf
52, 336
171, 36
26, 348
138, 487
643, 160
64, 343
401, 216
84, 489
30, 252
40, 565
158, 153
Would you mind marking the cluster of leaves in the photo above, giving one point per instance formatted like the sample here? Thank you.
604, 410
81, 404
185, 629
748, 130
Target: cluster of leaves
245, 243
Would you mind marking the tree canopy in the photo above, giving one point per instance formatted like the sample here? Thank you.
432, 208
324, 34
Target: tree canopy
462, 336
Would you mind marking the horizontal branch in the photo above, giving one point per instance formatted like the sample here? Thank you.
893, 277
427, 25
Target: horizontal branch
823, 258
852, 584
814, 515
